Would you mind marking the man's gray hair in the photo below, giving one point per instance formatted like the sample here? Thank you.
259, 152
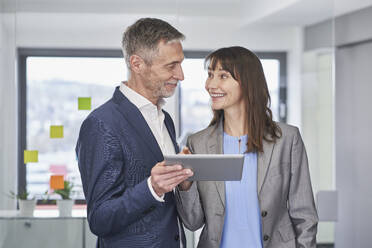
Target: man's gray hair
142, 38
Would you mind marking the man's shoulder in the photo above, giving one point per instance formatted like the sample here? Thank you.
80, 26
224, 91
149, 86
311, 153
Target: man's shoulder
103, 110
106, 113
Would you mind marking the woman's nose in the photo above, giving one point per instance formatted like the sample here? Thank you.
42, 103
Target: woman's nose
211, 83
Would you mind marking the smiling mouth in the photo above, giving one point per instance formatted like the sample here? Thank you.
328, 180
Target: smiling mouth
217, 95
171, 83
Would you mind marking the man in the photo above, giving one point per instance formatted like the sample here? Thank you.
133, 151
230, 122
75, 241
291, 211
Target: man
128, 188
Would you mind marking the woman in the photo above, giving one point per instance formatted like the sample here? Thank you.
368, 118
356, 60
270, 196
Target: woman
272, 206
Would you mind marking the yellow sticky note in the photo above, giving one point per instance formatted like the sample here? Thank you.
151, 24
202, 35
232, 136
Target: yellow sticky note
56, 182
30, 156
84, 103
56, 132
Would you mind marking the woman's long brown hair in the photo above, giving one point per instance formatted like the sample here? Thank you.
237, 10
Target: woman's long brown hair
245, 67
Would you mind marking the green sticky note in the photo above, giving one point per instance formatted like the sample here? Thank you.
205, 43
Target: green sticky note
30, 156
56, 132
84, 103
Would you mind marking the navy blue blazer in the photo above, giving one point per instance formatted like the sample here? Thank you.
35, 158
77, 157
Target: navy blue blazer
116, 151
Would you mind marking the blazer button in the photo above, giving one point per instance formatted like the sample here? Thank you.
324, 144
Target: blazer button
177, 237
266, 237
264, 213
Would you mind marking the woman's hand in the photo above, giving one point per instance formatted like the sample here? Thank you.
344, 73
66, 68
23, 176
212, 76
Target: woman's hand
185, 185
185, 150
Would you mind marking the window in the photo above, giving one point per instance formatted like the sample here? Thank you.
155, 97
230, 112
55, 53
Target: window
51, 81
51, 88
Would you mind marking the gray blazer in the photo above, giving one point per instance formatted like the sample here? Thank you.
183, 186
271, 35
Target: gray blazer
288, 215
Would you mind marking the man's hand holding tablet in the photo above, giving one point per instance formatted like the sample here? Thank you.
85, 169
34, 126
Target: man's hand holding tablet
165, 178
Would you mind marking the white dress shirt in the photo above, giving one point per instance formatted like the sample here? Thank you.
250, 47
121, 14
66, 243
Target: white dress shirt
154, 117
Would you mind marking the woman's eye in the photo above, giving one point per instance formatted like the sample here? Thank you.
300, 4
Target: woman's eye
209, 75
224, 76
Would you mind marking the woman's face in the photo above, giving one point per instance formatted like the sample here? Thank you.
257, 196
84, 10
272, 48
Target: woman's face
223, 89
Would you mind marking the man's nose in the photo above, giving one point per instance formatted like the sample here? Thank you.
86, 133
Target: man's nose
178, 74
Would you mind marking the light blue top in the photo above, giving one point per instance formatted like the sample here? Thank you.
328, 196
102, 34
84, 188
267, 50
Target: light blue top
242, 227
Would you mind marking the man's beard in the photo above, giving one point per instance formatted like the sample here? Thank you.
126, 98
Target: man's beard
162, 92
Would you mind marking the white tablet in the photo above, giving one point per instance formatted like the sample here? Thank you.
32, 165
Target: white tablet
210, 167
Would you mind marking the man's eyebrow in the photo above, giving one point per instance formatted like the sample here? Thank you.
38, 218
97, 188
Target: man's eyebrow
173, 62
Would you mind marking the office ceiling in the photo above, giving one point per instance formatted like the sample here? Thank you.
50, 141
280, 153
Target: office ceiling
243, 12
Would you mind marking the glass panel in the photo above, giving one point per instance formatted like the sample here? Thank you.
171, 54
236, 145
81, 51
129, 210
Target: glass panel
54, 85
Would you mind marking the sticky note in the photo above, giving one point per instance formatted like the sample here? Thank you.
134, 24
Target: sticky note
56, 132
84, 103
56, 182
30, 156
58, 169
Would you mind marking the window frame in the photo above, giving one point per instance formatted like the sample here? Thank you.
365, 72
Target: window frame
24, 53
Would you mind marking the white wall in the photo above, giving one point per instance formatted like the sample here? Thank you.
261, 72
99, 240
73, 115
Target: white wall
8, 110
353, 145
352, 128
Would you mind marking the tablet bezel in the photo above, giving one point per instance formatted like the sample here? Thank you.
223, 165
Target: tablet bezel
210, 167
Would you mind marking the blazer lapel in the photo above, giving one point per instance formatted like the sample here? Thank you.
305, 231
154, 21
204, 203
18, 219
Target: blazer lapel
215, 146
172, 133
263, 163
138, 123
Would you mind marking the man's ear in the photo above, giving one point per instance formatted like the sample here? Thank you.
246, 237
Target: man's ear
136, 63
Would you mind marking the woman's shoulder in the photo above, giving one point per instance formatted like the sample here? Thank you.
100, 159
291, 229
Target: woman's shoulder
286, 128
288, 131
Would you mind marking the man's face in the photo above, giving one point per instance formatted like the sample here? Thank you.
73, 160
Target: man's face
164, 73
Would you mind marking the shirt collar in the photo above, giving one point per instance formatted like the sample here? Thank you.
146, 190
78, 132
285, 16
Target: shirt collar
137, 99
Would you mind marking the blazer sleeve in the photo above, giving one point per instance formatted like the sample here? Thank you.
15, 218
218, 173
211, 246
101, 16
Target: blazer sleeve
188, 203
300, 199
111, 207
